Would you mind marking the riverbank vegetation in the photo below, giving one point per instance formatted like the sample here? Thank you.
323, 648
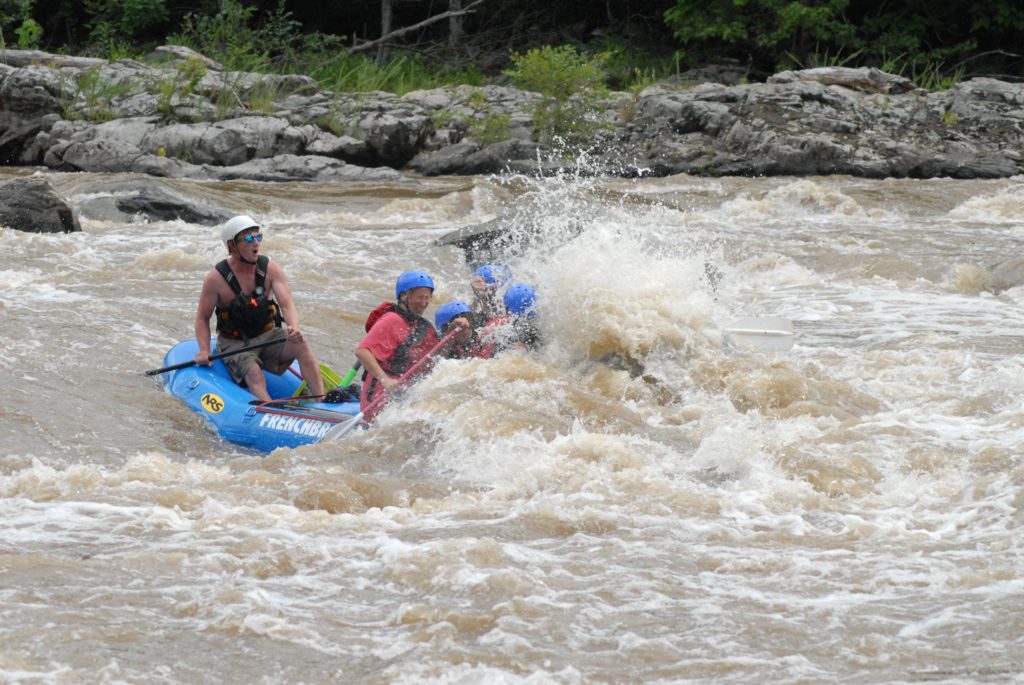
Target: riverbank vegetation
402, 45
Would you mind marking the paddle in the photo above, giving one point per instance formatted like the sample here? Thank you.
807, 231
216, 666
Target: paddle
219, 355
350, 376
342, 429
336, 394
330, 378
769, 333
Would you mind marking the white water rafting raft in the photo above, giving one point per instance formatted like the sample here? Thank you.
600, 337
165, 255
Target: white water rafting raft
233, 412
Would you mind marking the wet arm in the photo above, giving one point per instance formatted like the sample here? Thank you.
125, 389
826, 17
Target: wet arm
283, 294
205, 309
374, 368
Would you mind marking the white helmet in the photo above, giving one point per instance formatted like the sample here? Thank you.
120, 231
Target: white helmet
236, 225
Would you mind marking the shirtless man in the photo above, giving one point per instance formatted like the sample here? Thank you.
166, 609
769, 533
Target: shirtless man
251, 297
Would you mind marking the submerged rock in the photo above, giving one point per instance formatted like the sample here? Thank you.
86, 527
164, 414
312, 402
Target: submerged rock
143, 199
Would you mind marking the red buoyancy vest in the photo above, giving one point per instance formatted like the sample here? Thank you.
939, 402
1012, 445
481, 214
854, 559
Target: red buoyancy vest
420, 339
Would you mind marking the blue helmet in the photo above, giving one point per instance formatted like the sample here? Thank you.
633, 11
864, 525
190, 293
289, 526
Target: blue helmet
413, 279
519, 300
448, 311
494, 274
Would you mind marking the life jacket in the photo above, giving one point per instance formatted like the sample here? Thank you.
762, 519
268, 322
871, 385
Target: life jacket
398, 362
249, 314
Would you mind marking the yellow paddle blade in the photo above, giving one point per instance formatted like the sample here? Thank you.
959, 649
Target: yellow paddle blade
330, 377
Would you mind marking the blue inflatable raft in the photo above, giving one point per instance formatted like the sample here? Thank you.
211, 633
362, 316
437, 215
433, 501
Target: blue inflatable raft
213, 394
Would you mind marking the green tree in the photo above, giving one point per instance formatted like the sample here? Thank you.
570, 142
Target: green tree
911, 37
762, 31
237, 36
129, 19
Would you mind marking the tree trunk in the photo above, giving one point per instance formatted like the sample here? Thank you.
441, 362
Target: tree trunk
454, 24
386, 14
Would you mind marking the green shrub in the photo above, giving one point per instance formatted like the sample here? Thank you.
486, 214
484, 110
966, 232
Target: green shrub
570, 82
16, 19
181, 85
557, 72
91, 97
29, 34
227, 36
493, 128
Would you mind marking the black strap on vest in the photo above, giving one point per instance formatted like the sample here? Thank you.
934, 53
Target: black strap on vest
399, 360
238, 319
261, 274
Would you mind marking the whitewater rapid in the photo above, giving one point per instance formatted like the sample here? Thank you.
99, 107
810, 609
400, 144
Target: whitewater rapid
641, 500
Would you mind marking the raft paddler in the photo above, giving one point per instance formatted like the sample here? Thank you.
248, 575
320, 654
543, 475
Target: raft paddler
397, 335
251, 298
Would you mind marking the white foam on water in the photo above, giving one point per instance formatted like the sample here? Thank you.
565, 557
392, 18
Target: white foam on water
635, 495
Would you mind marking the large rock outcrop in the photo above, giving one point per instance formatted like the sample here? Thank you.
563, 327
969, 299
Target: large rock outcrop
189, 118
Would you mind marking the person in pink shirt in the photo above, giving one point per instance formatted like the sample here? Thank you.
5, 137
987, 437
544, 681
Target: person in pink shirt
397, 336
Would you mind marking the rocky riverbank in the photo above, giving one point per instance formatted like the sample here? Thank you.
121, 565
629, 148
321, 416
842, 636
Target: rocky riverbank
187, 117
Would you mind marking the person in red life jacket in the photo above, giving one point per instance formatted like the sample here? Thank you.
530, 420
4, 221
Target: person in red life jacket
486, 282
517, 329
397, 335
465, 344
251, 297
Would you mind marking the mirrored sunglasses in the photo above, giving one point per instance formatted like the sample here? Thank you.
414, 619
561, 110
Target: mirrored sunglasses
253, 238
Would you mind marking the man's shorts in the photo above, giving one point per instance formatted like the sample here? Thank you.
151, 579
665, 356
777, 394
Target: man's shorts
268, 357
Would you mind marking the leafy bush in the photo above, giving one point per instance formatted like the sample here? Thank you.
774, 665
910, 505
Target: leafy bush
232, 37
571, 84
29, 34
16, 19
186, 77
557, 72
493, 128
91, 97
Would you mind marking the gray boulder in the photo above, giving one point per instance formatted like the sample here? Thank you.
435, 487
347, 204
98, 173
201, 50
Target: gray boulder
27, 96
816, 123
302, 168
31, 204
225, 143
465, 158
868, 79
